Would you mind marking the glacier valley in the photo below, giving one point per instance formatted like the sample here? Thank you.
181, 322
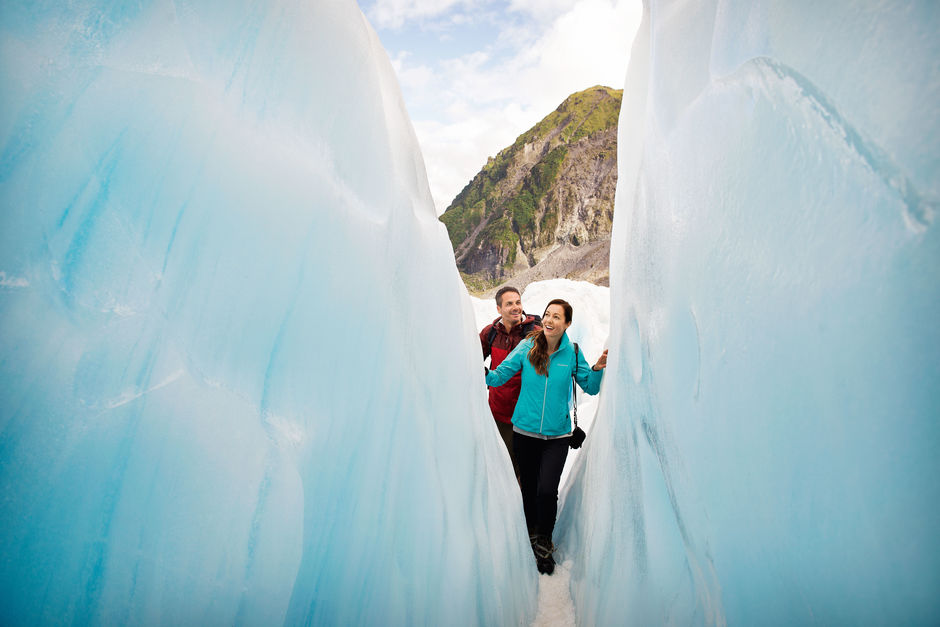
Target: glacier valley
240, 379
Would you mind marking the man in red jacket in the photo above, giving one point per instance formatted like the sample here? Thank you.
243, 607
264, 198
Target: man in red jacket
498, 339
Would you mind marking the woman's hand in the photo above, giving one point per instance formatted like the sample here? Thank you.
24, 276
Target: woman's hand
601, 362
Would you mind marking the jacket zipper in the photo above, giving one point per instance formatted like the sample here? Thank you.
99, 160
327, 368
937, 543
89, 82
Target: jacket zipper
544, 396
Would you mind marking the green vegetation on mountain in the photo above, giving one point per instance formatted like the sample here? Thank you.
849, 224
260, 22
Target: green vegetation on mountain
581, 115
531, 194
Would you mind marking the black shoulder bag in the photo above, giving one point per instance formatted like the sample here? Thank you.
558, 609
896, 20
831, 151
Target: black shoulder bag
576, 439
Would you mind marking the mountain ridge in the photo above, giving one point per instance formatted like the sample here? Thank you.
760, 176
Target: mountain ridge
542, 207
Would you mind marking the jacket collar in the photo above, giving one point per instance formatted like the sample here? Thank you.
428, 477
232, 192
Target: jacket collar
498, 323
563, 343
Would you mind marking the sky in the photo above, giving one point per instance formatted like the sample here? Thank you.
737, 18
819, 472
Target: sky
476, 74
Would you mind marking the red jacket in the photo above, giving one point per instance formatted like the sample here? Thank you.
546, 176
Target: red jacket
503, 399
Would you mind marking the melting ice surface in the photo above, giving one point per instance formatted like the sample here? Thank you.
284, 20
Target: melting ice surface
239, 378
766, 451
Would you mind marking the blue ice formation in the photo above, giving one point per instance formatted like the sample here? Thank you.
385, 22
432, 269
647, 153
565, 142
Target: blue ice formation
235, 354
766, 448
239, 380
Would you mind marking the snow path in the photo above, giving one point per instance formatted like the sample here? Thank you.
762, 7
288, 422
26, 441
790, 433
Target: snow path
556, 609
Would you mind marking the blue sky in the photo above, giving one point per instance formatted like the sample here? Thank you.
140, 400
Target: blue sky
475, 74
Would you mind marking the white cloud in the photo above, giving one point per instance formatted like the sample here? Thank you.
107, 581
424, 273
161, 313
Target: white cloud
466, 109
586, 46
394, 13
416, 78
540, 10
455, 151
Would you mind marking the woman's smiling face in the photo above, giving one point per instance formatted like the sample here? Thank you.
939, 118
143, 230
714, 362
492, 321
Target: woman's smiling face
553, 322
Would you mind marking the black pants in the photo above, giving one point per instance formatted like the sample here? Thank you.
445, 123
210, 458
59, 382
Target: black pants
506, 432
540, 465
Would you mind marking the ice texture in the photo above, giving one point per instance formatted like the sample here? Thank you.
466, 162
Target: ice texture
239, 377
766, 448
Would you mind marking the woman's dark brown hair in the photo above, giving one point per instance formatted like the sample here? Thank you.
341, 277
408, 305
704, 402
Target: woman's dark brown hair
538, 355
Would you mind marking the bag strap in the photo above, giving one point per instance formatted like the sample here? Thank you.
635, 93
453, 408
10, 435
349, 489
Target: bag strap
574, 388
491, 337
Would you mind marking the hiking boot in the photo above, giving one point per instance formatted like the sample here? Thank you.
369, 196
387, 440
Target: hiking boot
545, 565
543, 549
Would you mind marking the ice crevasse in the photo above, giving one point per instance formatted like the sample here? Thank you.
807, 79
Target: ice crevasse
765, 452
239, 382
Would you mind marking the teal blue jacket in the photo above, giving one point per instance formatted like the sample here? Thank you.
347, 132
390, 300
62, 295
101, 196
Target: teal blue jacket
543, 401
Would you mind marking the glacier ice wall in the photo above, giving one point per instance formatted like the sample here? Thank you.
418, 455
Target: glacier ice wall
766, 447
239, 381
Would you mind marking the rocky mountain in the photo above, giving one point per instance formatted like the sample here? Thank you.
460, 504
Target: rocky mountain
543, 207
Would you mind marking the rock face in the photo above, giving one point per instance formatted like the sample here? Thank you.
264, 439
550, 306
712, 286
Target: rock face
543, 207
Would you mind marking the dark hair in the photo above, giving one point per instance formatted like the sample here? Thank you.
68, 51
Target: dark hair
503, 290
538, 355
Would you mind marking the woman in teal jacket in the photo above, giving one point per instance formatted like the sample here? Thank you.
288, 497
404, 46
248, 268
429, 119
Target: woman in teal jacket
541, 424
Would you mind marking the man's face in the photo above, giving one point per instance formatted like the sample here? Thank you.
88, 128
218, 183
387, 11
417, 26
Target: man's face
510, 309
